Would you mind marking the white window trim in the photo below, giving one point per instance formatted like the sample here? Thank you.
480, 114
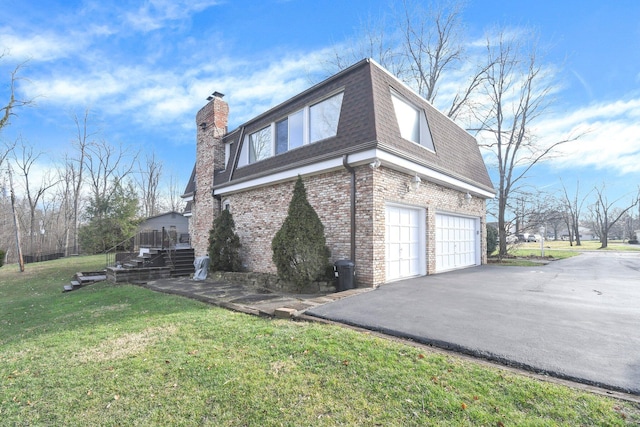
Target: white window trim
426, 139
306, 130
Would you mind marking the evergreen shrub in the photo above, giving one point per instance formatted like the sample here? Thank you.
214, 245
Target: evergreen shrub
224, 244
300, 251
492, 239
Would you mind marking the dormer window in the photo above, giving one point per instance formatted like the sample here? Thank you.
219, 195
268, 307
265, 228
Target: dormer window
313, 123
412, 122
290, 132
260, 145
323, 118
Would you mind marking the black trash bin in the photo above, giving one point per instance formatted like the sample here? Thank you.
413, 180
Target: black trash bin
345, 272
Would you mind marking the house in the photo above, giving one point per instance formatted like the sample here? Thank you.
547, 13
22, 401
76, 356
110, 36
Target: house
585, 234
399, 187
170, 230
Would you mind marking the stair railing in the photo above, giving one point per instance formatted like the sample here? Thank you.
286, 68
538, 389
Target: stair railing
112, 252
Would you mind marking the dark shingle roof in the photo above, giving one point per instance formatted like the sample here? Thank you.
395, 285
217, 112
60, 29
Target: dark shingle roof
191, 185
367, 120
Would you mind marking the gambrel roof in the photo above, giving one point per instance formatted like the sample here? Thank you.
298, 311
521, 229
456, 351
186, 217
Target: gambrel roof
367, 124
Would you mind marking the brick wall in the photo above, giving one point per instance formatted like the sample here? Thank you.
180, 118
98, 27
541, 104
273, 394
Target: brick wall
260, 212
392, 187
211, 123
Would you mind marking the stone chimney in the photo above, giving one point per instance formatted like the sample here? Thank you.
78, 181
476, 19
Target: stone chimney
211, 123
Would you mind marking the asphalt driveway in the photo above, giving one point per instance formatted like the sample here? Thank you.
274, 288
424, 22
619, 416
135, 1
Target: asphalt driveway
577, 318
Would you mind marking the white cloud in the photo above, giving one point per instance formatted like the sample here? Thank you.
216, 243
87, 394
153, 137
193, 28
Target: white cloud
41, 46
154, 14
609, 136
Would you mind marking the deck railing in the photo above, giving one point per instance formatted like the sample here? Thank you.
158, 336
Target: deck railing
156, 239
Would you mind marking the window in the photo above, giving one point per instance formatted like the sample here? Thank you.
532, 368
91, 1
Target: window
290, 132
324, 117
412, 122
260, 145
312, 123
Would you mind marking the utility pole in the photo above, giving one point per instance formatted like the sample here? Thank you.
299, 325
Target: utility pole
15, 220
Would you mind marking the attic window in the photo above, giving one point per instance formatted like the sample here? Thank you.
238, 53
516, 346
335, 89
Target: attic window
312, 123
412, 122
260, 145
290, 132
323, 118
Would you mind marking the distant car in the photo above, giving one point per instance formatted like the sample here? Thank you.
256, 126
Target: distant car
533, 238
512, 238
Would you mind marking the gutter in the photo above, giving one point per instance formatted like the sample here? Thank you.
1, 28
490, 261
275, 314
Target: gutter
352, 171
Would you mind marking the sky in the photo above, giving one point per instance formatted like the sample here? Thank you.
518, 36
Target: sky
144, 68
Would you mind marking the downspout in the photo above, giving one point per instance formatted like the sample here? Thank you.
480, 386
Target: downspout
352, 171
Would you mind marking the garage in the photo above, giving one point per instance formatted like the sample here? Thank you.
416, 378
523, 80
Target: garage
405, 246
457, 242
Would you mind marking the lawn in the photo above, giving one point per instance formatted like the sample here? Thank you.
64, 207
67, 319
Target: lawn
123, 355
526, 253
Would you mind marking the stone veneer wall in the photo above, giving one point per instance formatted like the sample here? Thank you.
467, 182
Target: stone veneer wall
260, 212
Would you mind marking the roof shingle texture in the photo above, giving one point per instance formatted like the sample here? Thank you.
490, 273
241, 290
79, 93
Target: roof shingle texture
367, 120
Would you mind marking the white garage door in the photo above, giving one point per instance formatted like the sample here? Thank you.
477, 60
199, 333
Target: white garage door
457, 242
404, 242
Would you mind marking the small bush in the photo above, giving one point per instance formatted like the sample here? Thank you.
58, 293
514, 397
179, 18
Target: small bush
2, 254
224, 244
492, 239
299, 247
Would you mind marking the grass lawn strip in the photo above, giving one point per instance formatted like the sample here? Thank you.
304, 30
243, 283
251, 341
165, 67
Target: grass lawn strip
124, 355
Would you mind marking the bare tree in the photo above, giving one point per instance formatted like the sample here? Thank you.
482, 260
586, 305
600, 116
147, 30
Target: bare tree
107, 166
432, 45
75, 165
572, 212
173, 200
419, 46
8, 110
148, 182
376, 42
606, 214
25, 160
516, 88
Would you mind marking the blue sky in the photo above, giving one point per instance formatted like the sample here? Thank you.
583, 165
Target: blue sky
144, 68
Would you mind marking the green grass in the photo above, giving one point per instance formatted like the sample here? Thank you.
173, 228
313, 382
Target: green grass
585, 245
122, 355
557, 250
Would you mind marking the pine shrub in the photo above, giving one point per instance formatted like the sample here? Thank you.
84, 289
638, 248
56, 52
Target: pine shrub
492, 239
299, 248
224, 244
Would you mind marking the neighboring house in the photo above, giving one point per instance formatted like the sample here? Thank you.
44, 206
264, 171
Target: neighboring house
399, 187
166, 230
585, 234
